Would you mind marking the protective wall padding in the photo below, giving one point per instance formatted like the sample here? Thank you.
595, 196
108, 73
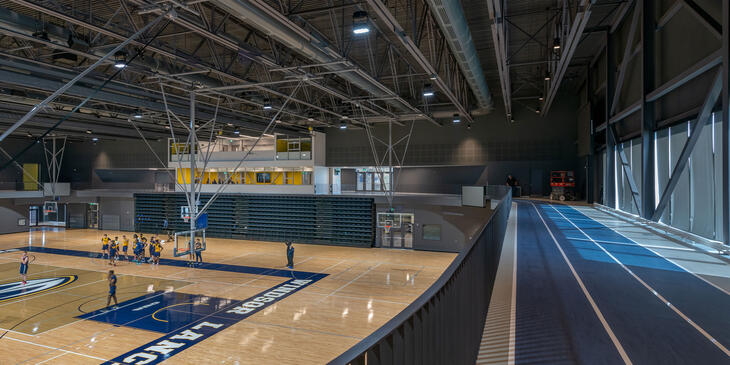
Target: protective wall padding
346, 221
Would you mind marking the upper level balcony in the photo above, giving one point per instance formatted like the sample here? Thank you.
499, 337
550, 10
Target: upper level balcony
270, 150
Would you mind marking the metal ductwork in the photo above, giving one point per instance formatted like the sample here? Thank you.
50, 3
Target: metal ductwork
451, 19
269, 21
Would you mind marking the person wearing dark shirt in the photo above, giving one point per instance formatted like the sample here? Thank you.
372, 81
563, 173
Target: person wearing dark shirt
112, 289
511, 181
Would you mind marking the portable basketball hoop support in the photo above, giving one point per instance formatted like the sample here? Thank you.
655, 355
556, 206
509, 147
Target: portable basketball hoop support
184, 242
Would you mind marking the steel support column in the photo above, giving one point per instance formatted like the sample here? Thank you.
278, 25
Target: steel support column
609, 174
648, 121
726, 122
590, 160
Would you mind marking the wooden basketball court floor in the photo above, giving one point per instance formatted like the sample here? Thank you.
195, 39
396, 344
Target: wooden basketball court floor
334, 297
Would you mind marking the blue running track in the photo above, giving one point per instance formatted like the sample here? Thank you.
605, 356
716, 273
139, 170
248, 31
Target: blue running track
556, 324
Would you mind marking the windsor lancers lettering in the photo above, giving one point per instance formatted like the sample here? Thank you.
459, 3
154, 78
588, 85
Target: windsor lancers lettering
18, 290
175, 342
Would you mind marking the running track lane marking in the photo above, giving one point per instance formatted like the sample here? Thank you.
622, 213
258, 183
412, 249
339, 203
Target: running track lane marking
649, 247
588, 296
648, 287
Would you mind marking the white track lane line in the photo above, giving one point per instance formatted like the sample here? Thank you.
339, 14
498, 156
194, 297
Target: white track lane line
649, 247
651, 289
588, 295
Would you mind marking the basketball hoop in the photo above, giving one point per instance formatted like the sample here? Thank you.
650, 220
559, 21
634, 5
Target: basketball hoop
186, 218
386, 228
50, 207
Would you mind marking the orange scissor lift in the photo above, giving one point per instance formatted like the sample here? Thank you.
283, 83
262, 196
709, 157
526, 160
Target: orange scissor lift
563, 185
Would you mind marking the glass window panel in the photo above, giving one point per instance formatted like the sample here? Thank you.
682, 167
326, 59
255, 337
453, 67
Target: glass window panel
702, 180
681, 196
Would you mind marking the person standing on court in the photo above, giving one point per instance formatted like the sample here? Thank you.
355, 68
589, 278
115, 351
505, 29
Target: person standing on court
289, 255
198, 251
112, 289
24, 266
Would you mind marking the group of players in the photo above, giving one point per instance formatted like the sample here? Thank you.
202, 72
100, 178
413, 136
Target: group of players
116, 250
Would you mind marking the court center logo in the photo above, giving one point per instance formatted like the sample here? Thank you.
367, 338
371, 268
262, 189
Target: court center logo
18, 290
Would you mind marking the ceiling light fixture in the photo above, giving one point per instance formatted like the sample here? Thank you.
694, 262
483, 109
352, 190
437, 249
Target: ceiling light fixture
547, 75
120, 60
343, 125
360, 22
556, 43
267, 104
457, 119
428, 90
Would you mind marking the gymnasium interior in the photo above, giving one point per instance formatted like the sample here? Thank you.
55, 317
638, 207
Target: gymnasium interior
364, 182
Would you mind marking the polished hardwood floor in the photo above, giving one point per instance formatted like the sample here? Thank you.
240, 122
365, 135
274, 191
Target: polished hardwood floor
363, 289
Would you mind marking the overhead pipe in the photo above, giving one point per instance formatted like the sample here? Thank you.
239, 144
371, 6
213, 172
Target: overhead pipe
450, 17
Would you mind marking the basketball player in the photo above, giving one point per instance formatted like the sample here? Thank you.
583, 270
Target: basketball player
104, 245
198, 251
125, 246
153, 241
289, 255
113, 251
24, 266
143, 249
158, 251
112, 289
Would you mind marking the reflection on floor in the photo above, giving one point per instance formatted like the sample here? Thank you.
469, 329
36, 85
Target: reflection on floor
267, 313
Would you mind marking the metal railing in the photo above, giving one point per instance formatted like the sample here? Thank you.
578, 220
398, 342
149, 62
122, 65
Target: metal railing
444, 325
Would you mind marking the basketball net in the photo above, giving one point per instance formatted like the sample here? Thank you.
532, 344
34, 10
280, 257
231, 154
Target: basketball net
387, 229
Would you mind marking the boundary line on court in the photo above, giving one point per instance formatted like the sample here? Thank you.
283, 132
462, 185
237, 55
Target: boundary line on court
650, 288
53, 348
586, 293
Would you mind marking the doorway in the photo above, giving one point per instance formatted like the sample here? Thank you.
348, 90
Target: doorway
33, 215
92, 216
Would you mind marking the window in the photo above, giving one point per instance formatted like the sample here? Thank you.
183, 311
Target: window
263, 178
432, 232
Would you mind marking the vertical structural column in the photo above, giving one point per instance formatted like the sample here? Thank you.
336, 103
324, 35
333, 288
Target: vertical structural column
648, 123
726, 122
193, 159
590, 160
609, 175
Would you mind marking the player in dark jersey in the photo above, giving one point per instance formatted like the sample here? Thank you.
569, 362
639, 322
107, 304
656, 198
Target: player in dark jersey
198, 252
113, 252
153, 242
112, 289
289, 255
24, 266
